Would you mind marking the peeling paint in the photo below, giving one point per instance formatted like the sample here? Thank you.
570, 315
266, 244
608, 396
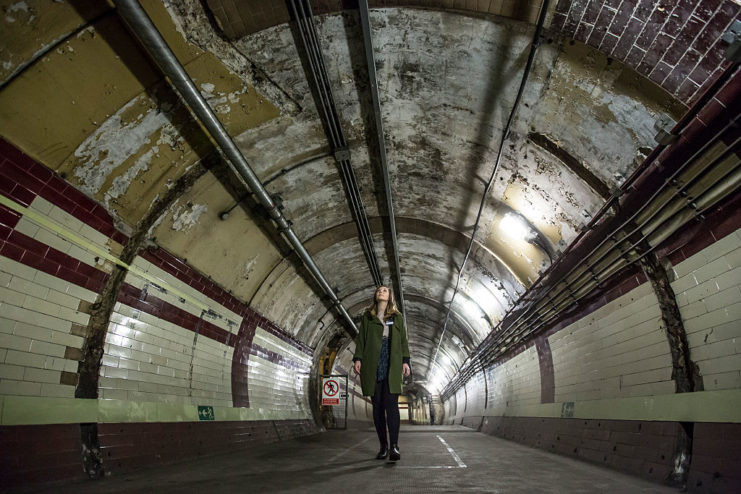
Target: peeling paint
186, 218
113, 143
249, 267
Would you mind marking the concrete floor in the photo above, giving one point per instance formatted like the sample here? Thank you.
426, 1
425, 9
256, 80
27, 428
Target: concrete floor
434, 459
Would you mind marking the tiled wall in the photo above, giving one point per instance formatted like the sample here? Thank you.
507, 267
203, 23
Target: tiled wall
515, 383
612, 367
619, 350
708, 290
175, 339
675, 44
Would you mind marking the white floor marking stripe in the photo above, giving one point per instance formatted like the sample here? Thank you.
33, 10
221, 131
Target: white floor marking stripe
452, 453
348, 449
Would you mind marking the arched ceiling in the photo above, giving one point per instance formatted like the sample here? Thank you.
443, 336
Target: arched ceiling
80, 96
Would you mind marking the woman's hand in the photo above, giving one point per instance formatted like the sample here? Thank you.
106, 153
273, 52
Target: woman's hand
405, 370
357, 367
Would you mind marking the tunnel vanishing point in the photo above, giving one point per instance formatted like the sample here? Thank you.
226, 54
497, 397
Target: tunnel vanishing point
198, 198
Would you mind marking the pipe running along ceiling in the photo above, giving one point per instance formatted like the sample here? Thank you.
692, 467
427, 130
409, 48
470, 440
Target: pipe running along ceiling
447, 81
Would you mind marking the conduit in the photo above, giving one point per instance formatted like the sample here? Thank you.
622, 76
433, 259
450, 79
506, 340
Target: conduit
317, 76
371, 62
699, 184
505, 133
154, 44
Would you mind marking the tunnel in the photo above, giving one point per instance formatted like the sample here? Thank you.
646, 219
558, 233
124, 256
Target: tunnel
198, 199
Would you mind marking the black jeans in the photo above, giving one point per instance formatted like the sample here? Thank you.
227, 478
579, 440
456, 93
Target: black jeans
386, 412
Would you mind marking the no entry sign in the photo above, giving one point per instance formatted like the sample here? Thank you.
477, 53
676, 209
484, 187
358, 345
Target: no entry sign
330, 391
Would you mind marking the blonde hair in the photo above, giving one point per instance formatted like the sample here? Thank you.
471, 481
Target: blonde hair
390, 308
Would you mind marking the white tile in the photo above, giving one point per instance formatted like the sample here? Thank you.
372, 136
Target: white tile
26, 227
66, 219
82, 255
53, 240
19, 388
723, 380
94, 235
729, 363
16, 269
690, 264
42, 205
41, 375
61, 364
11, 372
13, 342
22, 285
721, 247
33, 317
12, 297
711, 351
115, 394
25, 359
81, 293
733, 258
5, 279
57, 390
684, 283
44, 348
33, 332
41, 306
712, 270
50, 281
729, 278
65, 339
62, 299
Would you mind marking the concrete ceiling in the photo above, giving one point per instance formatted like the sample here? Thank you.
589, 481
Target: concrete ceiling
80, 96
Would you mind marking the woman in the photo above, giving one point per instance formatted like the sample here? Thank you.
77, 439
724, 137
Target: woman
382, 351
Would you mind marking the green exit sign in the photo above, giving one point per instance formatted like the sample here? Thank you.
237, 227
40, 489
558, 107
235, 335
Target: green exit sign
205, 412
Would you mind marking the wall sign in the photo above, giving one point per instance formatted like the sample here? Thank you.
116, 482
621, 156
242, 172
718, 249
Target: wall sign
330, 391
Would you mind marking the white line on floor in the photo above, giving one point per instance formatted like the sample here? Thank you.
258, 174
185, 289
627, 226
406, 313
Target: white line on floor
345, 451
452, 453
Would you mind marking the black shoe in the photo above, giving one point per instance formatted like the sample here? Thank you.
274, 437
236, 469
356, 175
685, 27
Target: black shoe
394, 455
383, 453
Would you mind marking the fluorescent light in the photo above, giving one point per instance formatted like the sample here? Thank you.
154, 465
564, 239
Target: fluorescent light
515, 227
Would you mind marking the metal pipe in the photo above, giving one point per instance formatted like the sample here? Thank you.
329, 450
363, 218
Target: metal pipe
154, 44
652, 231
371, 63
317, 74
590, 260
678, 129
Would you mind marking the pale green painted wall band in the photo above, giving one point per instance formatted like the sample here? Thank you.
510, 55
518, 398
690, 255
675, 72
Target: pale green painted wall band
701, 406
32, 410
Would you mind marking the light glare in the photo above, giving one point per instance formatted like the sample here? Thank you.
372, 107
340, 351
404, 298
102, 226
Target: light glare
515, 227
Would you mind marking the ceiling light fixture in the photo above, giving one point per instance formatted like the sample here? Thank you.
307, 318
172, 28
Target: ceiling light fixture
516, 227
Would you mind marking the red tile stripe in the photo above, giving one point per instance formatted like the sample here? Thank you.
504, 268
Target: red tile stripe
22, 179
188, 275
29, 179
677, 44
37, 255
146, 302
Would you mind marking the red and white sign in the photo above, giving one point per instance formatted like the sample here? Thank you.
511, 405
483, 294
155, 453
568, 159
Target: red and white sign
330, 391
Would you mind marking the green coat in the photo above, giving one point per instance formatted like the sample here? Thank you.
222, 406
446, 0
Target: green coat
368, 351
